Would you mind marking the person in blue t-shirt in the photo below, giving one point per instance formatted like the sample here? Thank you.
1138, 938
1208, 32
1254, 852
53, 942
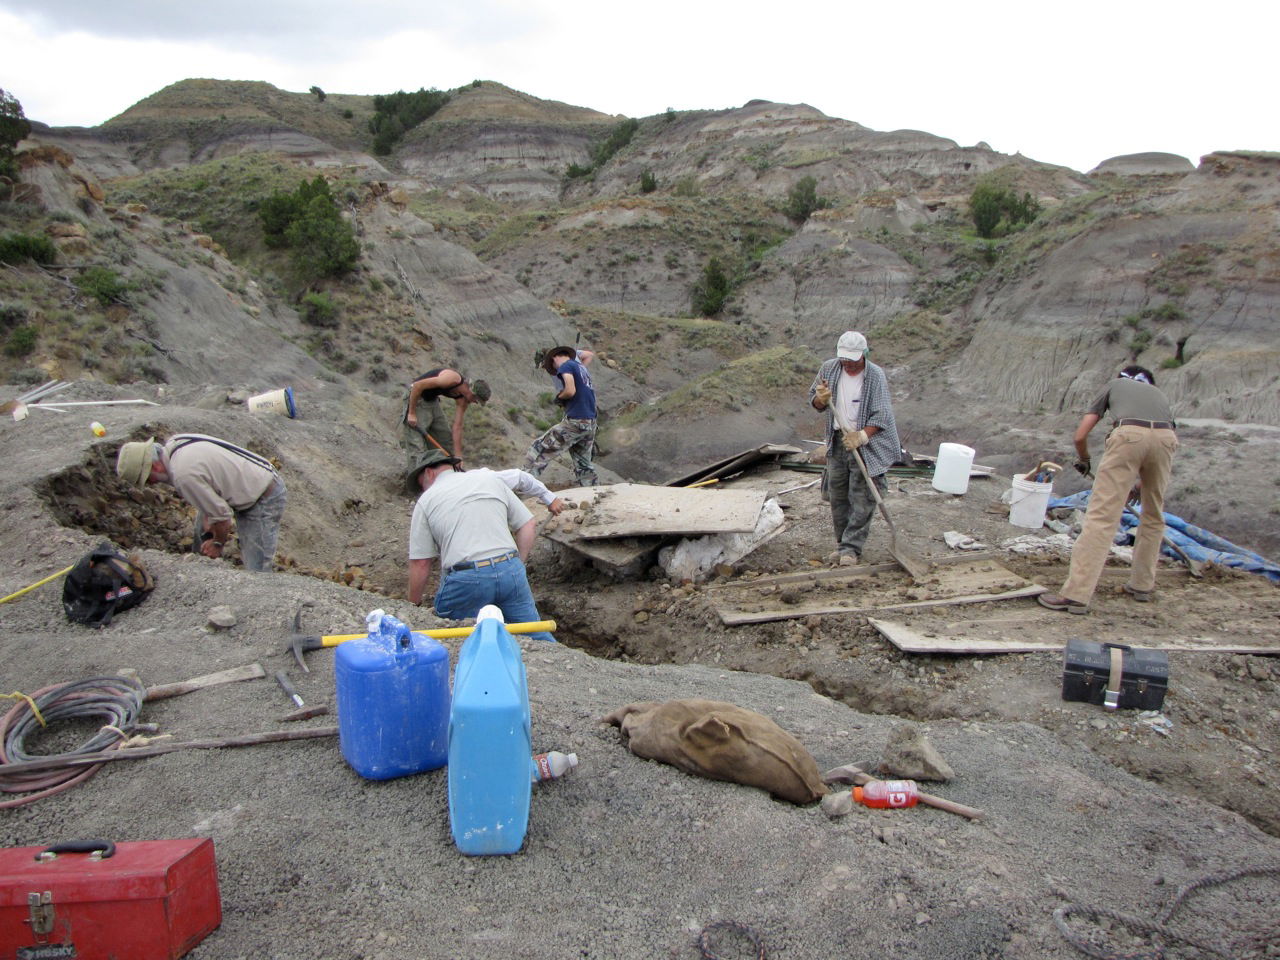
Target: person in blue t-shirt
577, 431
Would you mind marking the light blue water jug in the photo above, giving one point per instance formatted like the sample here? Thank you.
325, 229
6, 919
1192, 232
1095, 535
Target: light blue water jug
393, 700
490, 743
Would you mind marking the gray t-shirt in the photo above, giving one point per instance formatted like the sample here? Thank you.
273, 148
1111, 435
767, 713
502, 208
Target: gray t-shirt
1132, 399
465, 516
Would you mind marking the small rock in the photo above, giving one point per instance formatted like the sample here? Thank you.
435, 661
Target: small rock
223, 618
838, 804
910, 755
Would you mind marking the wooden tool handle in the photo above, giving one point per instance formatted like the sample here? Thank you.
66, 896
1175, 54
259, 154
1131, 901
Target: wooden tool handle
855, 775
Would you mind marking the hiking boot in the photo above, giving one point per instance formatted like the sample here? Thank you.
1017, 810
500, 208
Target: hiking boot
847, 560
1142, 596
1055, 602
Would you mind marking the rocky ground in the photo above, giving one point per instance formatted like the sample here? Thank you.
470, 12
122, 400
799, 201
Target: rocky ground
629, 858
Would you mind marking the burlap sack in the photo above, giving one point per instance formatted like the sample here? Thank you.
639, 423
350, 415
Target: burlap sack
721, 741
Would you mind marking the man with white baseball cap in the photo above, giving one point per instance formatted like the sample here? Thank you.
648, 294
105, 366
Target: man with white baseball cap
855, 395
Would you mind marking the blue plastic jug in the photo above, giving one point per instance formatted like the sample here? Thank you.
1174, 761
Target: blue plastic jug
490, 743
393, 701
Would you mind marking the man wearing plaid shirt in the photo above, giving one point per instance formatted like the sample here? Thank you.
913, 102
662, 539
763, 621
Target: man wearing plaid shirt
855, 395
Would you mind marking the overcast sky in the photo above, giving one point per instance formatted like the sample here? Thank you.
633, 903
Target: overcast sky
1071, 84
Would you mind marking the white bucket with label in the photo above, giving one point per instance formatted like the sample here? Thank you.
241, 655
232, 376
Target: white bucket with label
1028, 502
277, 401
951, 473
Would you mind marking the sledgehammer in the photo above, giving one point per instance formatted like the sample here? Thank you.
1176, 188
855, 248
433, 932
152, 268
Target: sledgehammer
301, 643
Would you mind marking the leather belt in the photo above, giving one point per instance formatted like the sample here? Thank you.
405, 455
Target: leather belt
1153, 424
476, 564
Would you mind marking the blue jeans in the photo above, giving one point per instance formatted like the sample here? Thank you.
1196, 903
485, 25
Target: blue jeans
257, 528
463, 592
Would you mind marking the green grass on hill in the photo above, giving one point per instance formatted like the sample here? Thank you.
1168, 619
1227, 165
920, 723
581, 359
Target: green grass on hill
221, 197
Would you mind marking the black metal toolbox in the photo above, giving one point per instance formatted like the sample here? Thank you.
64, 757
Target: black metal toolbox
1142, 676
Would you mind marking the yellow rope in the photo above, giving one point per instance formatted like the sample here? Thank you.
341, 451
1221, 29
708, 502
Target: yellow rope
38, 583
18, 695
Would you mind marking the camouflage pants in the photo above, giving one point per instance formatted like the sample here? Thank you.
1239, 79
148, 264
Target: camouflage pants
579, 437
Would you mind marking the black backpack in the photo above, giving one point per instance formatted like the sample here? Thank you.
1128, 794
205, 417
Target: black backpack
103, 582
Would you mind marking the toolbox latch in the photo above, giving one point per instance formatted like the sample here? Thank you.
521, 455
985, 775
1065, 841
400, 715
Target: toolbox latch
40, 906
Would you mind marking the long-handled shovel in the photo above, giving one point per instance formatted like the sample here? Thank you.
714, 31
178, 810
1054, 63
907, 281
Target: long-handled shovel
916, 567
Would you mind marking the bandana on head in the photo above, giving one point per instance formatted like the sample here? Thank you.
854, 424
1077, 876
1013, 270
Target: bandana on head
1140, 377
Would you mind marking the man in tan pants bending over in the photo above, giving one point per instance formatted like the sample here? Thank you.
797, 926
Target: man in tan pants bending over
1140, 447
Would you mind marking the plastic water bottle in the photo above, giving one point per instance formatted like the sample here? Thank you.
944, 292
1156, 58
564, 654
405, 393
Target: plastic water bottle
549, 766
888, 793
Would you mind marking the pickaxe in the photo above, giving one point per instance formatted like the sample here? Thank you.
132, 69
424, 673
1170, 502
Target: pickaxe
301, 643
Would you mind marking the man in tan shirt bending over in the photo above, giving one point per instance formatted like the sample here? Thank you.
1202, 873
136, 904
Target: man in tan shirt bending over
221, 481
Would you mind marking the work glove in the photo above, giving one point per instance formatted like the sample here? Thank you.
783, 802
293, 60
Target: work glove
854, 439
1083, 467
823, 394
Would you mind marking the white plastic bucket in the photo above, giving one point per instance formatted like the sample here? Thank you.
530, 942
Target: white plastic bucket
1028, 502
951, 473
277, 401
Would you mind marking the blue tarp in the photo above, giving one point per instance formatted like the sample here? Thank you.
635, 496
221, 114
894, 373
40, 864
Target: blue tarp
1199, 543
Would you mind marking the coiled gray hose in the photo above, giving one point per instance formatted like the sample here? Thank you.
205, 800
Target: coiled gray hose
115, 700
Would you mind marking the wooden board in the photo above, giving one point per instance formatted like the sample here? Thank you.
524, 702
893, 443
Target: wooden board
846, 573
619, 557
642, 510
969, 580
1017, 634
736, 463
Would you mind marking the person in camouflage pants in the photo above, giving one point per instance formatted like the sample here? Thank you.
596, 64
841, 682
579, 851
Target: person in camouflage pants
577, 431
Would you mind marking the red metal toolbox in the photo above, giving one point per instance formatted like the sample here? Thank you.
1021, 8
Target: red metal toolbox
95, 900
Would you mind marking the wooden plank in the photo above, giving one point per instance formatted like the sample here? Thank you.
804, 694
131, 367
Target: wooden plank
163, 691
723, 467
849, 573
965, 579
911, 639
616, 555
639, 510
736, 618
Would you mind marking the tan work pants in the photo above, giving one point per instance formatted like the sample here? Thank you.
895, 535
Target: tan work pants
1131, 453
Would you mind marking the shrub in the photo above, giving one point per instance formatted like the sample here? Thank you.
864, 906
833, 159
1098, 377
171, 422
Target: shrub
12, 314
618, 138
686, 187
319, 310
16, 247
21, 340
104, 285
396, 113
307, 221
803, 200
347, 114
317, 93
648, 183
711, 290
1168, 311
997, 210
14, 127
322, 242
